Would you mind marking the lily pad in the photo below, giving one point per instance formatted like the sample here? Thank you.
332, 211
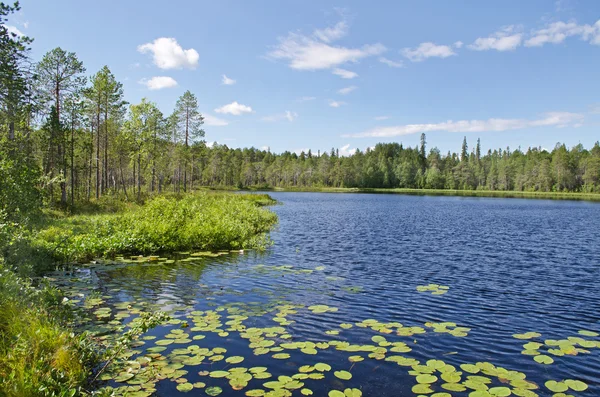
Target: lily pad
343, 375
213, 391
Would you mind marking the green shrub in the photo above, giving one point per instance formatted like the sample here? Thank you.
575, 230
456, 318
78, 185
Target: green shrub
205, 221
39, 355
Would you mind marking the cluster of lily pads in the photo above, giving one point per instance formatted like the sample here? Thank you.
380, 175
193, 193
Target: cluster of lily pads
185, 353
435, 289
571, 346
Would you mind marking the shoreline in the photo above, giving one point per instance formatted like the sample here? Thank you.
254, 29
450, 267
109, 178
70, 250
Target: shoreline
592, 197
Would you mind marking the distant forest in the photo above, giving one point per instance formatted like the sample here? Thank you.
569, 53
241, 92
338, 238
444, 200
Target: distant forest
74, 137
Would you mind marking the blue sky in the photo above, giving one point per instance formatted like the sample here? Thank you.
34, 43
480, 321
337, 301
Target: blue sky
348, 74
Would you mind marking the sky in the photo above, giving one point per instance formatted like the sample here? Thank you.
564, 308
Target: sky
293, 75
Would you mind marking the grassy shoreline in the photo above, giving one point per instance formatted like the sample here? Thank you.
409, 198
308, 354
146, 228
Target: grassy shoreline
444, 192
41, 354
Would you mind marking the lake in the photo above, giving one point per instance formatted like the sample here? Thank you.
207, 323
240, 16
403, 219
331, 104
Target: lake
441, 282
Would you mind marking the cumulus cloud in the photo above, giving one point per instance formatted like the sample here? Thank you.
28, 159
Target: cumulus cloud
159, 82
503, 40
390, 63
234, 108
14, 29
458, 44
214, 121
168, 54
346, 151
316, 52
347, 90
287, 115
558, 32
336, 104
227, 81
555, 119
345, 74
333, 33
428, 50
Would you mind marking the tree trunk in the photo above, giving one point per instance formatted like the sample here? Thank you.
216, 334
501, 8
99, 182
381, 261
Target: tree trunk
105, 169
98, 154
139, 183
73, 160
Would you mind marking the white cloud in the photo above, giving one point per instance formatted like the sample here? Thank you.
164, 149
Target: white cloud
345, 74
14, 29
227, 81
287, 115
503, 40
556, 119
211, 144
159, 82
379, 118
26, 24
390, 63
234, 108
330, 34
315, 52
168, 54
336, 104
458, 44
265, 148
345, 151
558, 32
428, 50
214, 121
347, 90
307, 98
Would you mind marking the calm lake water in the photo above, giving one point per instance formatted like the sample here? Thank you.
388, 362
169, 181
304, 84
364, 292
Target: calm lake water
512, 266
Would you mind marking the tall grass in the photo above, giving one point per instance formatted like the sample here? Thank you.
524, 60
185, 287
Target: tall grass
205, 221
39, 355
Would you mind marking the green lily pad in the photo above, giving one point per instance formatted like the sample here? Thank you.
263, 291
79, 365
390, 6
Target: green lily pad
306, 392
422, 389
556, 387
470, 368
352, 393
321, 367
343, 375
426, 378
185, 387
219, 374
543, 359
576, 385
255, 393
335, 393
234, 359
213, 391
500, 391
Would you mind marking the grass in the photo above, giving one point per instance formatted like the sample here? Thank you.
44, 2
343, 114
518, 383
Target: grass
206, 221
448, 192
39, 354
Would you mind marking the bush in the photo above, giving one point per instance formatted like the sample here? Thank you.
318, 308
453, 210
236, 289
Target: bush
204, 221
39, 355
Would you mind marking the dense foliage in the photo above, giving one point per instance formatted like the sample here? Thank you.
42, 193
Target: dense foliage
203, 221
39, 355
391, 165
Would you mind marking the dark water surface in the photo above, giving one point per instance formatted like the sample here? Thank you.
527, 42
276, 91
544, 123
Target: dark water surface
512, 266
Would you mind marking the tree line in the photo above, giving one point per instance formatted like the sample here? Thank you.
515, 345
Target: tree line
73, 137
